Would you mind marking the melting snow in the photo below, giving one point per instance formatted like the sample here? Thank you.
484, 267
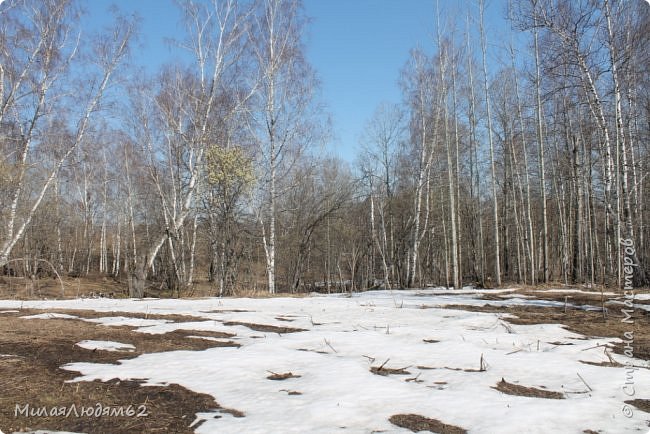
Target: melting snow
346, 336
105, 345
48, 315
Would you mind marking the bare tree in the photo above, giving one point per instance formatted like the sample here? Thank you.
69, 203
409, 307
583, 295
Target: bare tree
50, 52
283, 122
495, 205
418, 86
383, 134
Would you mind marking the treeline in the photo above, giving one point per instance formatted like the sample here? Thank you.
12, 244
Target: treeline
527, 163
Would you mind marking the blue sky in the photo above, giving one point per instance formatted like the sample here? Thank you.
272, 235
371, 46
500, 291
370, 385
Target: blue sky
357, 47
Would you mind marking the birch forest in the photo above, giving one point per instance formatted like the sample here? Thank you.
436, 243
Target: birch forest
520, 160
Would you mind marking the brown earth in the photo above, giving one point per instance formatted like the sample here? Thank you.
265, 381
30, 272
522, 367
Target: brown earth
265, 327
416, 423
30, 374
531, 392
284, 376
641, 404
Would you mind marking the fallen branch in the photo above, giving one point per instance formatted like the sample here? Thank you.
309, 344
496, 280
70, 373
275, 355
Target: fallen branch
583, 380
329, 345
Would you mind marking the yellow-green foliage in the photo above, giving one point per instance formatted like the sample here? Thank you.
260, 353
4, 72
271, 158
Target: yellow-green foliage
229, 168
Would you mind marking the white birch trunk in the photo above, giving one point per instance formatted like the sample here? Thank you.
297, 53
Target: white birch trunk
495, 204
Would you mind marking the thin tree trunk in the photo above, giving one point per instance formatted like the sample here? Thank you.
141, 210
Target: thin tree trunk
540, 154
495, 204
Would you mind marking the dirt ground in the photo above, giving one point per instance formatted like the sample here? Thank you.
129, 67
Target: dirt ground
34, 350
417, 423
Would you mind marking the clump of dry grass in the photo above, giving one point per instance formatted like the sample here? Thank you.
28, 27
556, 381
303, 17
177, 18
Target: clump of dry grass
641, 404
416, 423
284, 376
383, 370
531, 392
265, 327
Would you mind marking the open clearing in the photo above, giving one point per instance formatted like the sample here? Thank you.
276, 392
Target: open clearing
395, 362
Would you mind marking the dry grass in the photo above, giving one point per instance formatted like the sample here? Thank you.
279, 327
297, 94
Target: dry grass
87, 313
284, 376
531, 392
604, 364
383, 370
641, 404
265, 327
416, 423
32, 375
96, 285
25, 289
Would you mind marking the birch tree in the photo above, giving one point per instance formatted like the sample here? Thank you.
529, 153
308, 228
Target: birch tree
38, 60
382, 137
418, 87
283, 109
495, 204
185, 107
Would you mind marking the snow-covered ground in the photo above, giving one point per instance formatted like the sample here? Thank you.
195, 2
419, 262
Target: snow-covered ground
345, 336
105, 345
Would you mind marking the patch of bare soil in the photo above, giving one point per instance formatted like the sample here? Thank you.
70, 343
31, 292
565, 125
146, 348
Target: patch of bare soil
378, 370
284, 376
383, 370
641, 404
88, 314
417, 423
531, 392
30, 374
265, 327
576, 298
202, 333
605, 364
588, 323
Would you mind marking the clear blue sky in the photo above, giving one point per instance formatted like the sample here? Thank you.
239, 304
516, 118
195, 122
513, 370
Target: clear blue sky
357, 47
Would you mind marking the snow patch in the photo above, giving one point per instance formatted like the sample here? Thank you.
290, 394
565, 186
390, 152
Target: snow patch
126, 321
49, 315
347, 336
212, 326
105, 345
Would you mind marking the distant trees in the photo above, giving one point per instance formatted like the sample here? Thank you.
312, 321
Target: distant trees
209, 171
554, 130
